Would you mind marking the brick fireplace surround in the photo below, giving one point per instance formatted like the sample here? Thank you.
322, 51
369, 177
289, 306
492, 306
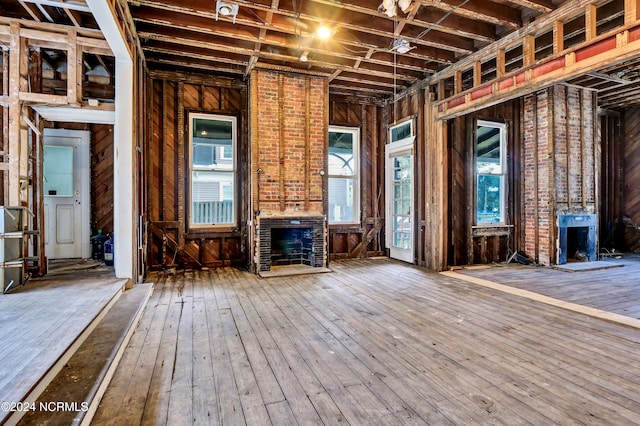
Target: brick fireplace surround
289, 124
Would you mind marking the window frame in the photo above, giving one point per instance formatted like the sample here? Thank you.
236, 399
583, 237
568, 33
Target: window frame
402, 124
356, 177
233, 171
502, 127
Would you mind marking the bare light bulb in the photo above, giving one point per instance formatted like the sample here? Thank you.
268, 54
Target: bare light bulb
323, 32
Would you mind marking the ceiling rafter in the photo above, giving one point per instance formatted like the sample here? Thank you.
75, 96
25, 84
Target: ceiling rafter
245, 51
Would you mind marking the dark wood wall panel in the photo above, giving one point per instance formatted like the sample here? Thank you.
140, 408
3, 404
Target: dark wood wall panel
469, 245
102, 177
611, 181
631, 205
170, 241
366, 238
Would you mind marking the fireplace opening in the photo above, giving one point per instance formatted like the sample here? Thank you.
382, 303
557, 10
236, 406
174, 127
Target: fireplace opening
578, 244
576, 238
292, 246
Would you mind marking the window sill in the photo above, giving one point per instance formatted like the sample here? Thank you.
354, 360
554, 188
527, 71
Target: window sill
491, 230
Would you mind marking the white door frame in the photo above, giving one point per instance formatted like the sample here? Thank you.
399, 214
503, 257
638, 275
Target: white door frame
84, 175
395, 149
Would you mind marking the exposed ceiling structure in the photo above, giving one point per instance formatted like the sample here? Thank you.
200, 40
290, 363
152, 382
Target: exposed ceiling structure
374, 48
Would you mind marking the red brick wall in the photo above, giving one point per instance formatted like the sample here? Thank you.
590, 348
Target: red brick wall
288, 143
558, 164
288, 131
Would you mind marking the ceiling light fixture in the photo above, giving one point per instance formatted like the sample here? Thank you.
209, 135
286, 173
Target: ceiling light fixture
404, 5
226, 9
304, 57
390, 7
402, 46
323, 32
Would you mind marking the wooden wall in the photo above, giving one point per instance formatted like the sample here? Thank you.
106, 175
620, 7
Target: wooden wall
170, 242
631, 179
611, 179
367, 239
467, 244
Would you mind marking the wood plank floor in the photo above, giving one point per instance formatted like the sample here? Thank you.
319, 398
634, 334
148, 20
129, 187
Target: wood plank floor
374, 342
615, 289
40, 320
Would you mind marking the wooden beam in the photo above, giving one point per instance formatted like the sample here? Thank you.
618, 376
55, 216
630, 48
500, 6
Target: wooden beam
501, 62
80, 6
17, 63
631, 11
568, 10
74, 61
558, 37
590, 22
528, 51
477, 73
31, 10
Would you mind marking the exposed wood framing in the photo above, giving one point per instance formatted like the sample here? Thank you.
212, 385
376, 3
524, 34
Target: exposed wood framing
180, 178
614, 47
631, 11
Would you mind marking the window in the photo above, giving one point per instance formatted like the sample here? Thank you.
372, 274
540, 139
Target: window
490, 147
401, 131
213, 169
344, 175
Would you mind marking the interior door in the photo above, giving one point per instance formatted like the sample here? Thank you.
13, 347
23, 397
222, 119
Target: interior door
66, 194
400, 208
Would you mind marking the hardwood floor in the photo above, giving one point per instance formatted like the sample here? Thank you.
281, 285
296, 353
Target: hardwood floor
40, 321
374, 342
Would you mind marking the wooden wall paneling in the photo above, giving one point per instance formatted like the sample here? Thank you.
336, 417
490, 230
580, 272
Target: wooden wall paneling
456, 233
631, 205
168, 142
467, 133
611, 188
181, 159
102, 177
154, 156
170, 242
365, 238
211, 98
191, 96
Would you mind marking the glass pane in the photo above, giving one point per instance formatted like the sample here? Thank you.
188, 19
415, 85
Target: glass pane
212, 198
489, 208
341, 154
212, 144
402, 202
400, 132
341, 200
488, 148
58, 171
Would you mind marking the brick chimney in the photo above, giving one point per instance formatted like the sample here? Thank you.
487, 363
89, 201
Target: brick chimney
289, 131
559, 171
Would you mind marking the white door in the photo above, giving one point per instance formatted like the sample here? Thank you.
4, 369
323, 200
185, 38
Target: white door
400, 211
66, 193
